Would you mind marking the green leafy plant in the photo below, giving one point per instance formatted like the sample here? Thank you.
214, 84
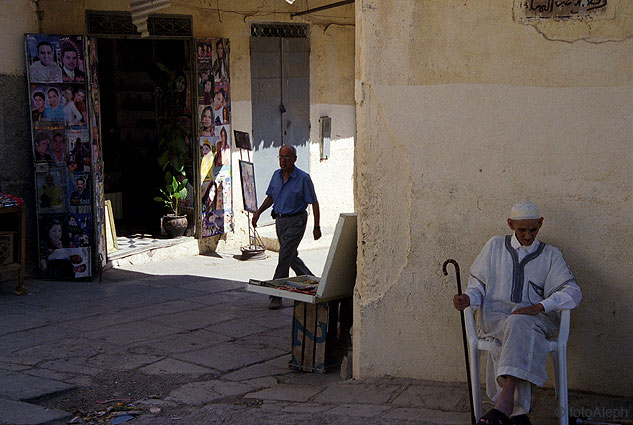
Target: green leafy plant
173, 147
173, 192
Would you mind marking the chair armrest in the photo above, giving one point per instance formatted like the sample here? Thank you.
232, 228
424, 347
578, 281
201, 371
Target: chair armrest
471, 330
563, 332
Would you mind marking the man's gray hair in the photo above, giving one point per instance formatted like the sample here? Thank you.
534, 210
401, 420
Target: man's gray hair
294, 150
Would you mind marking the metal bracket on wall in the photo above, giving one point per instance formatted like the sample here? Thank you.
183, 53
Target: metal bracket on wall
326, 131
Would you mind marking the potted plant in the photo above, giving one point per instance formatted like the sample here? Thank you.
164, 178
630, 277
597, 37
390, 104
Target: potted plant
175, 225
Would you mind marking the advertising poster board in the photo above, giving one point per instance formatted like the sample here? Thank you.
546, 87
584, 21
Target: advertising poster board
214, 113
62, 153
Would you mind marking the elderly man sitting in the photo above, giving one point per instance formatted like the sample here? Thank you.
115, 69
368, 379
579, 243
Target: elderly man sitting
520, 284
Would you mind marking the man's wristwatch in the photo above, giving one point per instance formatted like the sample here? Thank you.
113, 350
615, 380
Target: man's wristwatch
317, 227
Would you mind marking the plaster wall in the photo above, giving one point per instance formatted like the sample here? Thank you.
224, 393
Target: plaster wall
16, 167
465, 111
331, 77
17, 18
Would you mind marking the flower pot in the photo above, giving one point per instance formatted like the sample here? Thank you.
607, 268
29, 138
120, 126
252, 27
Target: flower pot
175, 225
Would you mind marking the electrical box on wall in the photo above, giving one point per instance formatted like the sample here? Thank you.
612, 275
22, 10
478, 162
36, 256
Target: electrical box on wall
326, 130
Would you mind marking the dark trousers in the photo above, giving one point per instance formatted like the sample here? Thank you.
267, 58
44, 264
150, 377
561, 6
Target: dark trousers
290, 231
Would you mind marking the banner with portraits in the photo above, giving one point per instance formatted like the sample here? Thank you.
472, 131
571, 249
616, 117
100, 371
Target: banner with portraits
63, 153
214, 112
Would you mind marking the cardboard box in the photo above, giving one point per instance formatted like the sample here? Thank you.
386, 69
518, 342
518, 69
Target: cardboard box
311, 346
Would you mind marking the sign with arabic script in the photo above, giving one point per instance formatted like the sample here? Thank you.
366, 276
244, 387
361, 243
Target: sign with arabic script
561, 9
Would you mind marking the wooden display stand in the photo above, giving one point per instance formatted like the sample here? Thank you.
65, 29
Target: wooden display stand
315, 320
14, 224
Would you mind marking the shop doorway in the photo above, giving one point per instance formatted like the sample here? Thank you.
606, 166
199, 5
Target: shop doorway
138, 98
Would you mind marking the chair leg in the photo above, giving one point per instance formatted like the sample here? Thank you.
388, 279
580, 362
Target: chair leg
556, 377
474, 378
563, 405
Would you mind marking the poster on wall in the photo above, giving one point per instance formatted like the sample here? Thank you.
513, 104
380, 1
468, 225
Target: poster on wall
59, 114
214, 113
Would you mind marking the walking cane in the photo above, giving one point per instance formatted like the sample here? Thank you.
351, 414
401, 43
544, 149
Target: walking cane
461, 313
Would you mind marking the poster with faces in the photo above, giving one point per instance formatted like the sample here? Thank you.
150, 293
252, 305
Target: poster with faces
215, 136
56, 70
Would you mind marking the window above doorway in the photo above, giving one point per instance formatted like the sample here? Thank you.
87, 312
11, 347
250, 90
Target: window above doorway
279, 30
120, 24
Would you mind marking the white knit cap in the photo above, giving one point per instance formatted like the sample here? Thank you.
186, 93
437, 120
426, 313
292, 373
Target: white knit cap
525, 211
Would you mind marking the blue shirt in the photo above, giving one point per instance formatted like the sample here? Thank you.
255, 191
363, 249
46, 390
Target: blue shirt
294, 195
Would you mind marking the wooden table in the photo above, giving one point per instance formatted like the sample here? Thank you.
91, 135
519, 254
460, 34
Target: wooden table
16, 224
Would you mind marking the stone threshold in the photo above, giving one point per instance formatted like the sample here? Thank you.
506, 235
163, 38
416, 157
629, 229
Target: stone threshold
143, 249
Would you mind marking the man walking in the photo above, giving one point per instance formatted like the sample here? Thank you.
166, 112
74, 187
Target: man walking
520, 284
289, 192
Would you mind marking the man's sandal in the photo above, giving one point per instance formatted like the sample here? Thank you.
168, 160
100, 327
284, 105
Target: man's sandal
521, 420
494, 417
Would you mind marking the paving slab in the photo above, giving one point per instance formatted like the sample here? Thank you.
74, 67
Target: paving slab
212, 286
99, 321
160, 309
199, 393
408, 414
275, 319
237, 328
358, 410
11, 343
75, 379
173, 366
276, 367
19, 322
276, 338
122, 362
285, 392
434, 397
8, 365
20, 386
230, 356
72, 365
188, 341
210, 299
303, 378
191, 319
223, 414
260, 383
354, 392
20, 413
131, 332
67, 347
306, 408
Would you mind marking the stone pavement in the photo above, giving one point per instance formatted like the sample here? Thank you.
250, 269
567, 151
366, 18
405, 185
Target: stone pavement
182, 342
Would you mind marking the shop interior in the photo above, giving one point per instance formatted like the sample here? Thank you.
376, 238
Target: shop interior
145, 85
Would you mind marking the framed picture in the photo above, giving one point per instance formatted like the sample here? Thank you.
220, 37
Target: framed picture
247, 175
242, 140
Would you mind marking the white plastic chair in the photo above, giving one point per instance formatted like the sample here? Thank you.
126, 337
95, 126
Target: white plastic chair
557, 349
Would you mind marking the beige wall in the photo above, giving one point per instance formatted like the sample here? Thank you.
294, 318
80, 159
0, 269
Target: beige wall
462, 111
17, 17
331, 80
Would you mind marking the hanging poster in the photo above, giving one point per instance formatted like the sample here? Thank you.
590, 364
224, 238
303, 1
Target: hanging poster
249, 195
214, 114
56, 71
